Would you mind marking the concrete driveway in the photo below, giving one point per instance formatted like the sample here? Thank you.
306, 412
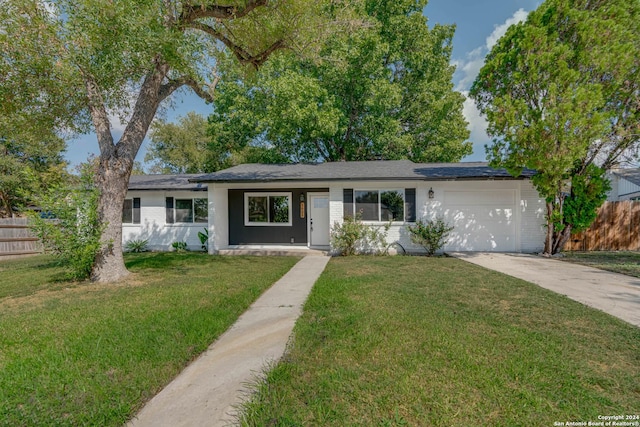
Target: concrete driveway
613, 293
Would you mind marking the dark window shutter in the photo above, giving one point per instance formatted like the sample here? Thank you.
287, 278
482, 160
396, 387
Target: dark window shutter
136, 210
347, 202
169, 206
410, 204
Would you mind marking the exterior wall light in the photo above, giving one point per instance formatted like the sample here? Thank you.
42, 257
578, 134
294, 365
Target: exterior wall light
431, 193
302, 205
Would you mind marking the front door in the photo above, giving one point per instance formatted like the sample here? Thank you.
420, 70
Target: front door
318, 219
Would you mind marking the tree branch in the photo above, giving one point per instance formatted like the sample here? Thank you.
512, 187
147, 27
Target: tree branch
99, 115
143, 112
240, 53
206, 94
192, 12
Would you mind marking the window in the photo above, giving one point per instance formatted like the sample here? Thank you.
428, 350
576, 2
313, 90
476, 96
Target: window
186, 210
380, 205
131, 211
267, 209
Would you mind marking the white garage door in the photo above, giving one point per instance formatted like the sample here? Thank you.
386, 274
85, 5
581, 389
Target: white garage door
483, 220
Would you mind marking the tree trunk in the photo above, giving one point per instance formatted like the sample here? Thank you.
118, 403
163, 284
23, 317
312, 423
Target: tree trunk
561, 239
548, 242
112, 181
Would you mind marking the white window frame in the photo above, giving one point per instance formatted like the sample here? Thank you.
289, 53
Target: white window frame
193, 210
133, 208
247, 223
380, 190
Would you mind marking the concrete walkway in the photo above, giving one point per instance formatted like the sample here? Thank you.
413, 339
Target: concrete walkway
613, 293
208, 390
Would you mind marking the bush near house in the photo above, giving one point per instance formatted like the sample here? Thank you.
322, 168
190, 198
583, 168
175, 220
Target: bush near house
431, 235
352, 237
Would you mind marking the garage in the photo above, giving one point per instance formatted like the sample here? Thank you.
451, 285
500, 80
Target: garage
484, 220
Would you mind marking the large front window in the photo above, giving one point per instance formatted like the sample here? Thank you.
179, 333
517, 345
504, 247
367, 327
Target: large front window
379, 205
267, 208
187, 210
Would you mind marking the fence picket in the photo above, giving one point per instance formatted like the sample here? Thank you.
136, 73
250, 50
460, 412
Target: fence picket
616, 228
16, 238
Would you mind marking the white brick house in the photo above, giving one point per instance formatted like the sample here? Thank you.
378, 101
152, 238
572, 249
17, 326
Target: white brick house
164, 209
296, 204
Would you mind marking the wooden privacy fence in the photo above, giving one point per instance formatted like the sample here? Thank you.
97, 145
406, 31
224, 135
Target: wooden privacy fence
616, 228
16, 238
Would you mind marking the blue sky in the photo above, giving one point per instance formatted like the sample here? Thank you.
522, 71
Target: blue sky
479, 24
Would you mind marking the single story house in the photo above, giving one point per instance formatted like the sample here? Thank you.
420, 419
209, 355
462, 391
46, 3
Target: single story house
625, 184
164, 209
253, 205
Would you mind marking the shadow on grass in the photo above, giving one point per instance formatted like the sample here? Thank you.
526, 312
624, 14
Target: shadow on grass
156, 260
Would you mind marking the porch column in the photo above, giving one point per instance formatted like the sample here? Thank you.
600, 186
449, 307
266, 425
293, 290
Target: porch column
218, 218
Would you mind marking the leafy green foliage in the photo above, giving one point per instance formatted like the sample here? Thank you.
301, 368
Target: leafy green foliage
28, 167
137, 245
352, 237
381, 90
204, 239
69, 65
431, 235
560, 94
588, 193
179, 246
182, 147
69, 226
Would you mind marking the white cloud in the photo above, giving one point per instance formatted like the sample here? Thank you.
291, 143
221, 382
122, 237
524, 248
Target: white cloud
499, 30
467, 70
477, 127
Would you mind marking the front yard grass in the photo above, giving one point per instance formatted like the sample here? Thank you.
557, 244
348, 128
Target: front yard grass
623, 262
91, 354
393, 341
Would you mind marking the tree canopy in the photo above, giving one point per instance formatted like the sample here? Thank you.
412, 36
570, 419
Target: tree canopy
28, 165
381, 90
71, 64
561, 93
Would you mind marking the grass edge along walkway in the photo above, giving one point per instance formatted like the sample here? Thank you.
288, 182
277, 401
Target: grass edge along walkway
92, 354
418, 341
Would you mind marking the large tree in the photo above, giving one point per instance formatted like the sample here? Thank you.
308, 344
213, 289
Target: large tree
382, 90
561, 93
192, 146
27, 167
88, 59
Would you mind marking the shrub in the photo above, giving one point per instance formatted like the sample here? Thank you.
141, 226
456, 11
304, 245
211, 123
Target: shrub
431, 235
69, 226
204, 239
354, 237
137, 246
179, 246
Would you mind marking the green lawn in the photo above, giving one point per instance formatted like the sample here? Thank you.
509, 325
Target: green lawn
393, 341
619, 262
90, 354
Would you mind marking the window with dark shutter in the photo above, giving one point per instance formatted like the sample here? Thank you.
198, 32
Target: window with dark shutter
136, 210
169, 210
410, 204
347, 202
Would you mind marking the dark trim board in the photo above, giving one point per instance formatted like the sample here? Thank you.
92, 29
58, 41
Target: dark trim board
239, 234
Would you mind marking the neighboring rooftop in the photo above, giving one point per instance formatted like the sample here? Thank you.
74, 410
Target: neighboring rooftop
632, 175
166, 182
372, 170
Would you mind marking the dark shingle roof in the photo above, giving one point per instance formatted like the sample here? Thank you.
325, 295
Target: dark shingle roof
166, 182
373, 170
631, 175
